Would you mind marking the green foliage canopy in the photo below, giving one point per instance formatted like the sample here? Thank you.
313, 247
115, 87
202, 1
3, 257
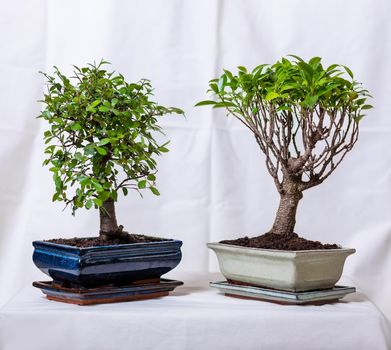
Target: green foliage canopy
304, 116
290, 84
101, 135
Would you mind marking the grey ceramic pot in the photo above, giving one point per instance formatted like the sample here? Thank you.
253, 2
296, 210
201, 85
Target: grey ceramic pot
293, 271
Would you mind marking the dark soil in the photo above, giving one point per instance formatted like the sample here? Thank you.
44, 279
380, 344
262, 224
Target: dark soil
98, 242
280, 242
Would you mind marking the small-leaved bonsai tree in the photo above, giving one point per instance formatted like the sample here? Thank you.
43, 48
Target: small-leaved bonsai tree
305, 119
101, 139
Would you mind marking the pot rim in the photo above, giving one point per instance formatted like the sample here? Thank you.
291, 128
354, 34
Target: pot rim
212, 245
110, 247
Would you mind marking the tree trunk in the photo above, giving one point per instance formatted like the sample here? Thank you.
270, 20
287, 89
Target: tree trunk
284, 223
108, 221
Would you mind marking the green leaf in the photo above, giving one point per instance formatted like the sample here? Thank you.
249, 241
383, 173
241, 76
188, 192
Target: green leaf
331, 67
205, 103
105, 195
142, 184
75, 126
271, 95
258, 69
104, 109
155, 191
297, 57
89, 150
96, 185
348, 71
310, 101
57, 181
78, 156
89, 204
102, 151
359, 117
104, 141
98, 202
151, 177
307, 70
94, 104
314, 62
284, 108
228, 74
288, 87
222, 82
46, 115
125, 191
214, 87
223, 105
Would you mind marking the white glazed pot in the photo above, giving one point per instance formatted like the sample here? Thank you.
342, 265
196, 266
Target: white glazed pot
294, 271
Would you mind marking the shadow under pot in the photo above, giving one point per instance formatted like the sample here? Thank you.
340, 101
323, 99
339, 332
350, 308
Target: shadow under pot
120, 264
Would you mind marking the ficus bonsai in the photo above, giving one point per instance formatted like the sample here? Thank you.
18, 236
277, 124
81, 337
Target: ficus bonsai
101, 139
305, 119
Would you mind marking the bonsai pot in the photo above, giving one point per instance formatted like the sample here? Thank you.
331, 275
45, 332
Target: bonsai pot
294, 271
102, 265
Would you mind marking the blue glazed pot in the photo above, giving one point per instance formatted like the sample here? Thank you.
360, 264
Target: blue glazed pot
114, 264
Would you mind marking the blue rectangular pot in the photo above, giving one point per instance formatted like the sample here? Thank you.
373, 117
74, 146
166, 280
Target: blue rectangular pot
114, 264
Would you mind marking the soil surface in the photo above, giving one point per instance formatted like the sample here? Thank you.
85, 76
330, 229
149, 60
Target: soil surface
280, 242
98, 242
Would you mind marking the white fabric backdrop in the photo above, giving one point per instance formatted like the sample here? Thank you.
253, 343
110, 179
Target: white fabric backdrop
213, 182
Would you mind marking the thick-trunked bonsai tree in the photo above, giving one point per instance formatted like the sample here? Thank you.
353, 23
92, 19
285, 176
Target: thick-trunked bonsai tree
305, 119
101, 144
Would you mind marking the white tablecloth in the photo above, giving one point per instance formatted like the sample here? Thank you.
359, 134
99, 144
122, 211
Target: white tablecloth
192, 317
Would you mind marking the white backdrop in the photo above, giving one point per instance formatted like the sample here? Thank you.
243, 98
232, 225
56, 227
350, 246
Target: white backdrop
213, 182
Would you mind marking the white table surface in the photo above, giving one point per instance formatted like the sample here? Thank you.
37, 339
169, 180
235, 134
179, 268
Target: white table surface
192, 317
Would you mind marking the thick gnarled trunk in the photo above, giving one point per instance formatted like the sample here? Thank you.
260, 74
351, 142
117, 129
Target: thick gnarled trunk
284, 223
108, 221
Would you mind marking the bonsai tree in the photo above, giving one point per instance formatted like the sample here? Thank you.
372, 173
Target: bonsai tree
305, 119
101, 139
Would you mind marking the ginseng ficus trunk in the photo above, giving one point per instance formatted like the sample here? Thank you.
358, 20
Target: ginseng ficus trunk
108, 220
284, 223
